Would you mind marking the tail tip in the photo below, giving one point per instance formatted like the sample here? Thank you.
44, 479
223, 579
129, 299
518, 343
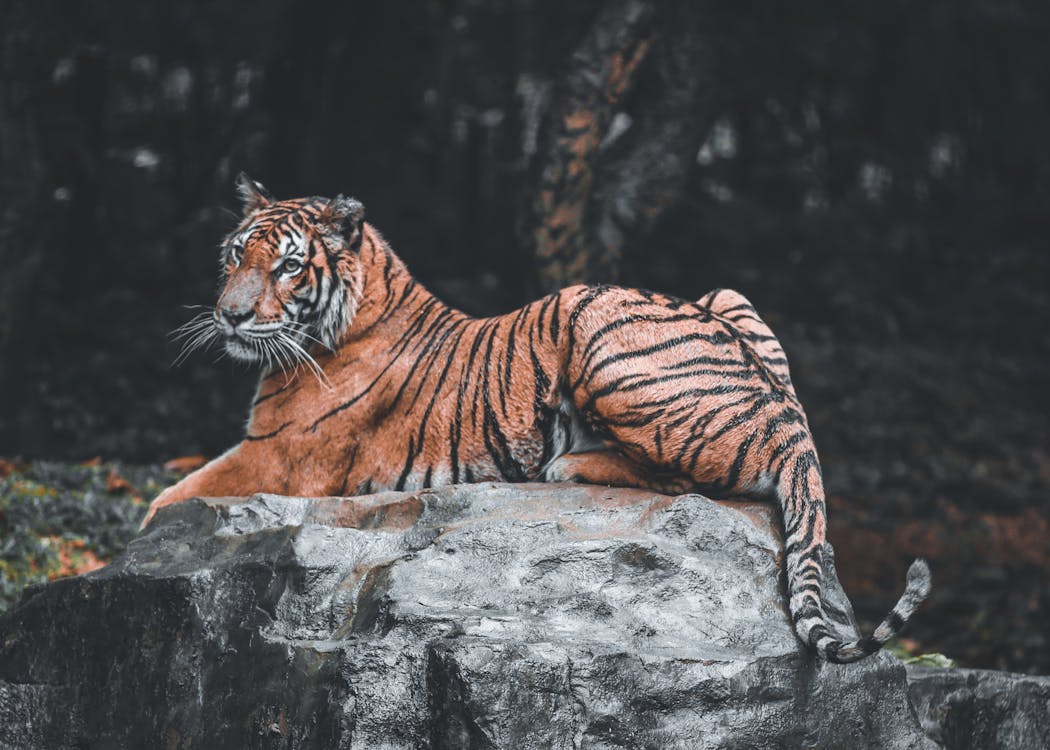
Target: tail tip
919, 581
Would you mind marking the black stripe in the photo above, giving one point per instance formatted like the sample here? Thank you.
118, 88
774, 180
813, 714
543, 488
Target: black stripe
589, 297
409, 460
895, 621
555, 329
272, 393
268, 434
349, 459
738, 462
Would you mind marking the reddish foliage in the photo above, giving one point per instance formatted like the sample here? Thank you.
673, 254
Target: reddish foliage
185, 464
116, 484
7, 468
74, 558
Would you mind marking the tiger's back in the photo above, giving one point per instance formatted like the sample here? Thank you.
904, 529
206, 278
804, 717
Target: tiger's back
504, 398
596, 384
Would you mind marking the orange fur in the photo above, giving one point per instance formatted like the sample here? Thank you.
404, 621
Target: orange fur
597, 384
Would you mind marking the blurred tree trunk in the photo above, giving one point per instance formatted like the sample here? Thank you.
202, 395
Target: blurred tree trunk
613, 155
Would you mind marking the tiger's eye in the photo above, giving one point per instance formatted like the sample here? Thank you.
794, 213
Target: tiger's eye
292, 266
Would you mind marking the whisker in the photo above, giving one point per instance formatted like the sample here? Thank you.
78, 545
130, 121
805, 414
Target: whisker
189, 332
292, 359
206, 311
267, 349
272, 345
300, 329
196, 322
200, 341
197, 341
287, 364
259, 350
262, 349
305, 358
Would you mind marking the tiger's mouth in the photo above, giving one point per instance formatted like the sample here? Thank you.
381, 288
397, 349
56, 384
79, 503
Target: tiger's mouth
275, 346
244, 349
271, 344
249, 341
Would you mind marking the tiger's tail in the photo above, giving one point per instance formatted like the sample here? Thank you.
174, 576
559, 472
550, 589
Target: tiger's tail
802, 500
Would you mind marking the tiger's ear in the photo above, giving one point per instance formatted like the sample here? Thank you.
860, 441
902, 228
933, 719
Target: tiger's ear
254, 195
342, 218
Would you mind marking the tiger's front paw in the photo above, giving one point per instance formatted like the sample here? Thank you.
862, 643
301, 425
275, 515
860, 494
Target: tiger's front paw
167, 497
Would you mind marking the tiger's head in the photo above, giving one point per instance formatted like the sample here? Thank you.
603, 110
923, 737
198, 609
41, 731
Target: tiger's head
291, 276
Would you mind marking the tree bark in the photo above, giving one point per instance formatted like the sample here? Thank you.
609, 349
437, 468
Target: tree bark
619, 138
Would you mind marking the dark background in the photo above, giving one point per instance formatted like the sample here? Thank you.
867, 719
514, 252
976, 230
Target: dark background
874, 176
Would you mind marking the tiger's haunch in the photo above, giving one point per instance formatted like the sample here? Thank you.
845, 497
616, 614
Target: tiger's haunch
371, 383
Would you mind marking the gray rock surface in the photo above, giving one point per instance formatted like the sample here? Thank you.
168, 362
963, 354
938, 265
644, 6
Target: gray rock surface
481, 616
976, 708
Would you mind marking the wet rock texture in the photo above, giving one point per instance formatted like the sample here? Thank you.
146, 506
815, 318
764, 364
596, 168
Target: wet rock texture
964, 708
484, 616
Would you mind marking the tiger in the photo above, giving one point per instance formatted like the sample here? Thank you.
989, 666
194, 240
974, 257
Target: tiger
369, 382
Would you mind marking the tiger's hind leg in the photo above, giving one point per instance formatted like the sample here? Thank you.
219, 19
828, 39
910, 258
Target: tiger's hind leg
703, 389
696, 390
612, 468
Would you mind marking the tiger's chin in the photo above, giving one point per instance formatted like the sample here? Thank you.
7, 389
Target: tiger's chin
242, 352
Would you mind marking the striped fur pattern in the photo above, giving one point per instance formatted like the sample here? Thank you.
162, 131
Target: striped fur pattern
371, 383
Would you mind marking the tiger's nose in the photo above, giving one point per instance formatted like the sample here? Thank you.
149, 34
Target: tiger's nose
233, 317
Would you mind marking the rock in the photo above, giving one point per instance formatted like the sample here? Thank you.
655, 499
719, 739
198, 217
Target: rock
963, 708
479, 616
